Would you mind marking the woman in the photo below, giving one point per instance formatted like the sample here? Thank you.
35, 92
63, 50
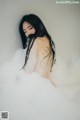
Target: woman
40, 52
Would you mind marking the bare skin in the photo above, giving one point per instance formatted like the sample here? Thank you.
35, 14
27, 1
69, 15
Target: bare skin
40, 57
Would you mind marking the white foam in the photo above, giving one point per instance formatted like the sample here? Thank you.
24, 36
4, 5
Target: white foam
32, 97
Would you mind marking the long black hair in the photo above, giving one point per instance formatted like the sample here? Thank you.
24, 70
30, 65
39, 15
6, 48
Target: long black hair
41, 31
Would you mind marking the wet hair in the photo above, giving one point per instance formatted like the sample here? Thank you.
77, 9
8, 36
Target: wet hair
40, 31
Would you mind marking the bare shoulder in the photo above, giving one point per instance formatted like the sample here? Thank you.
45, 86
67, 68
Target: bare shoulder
41, 41
37, 43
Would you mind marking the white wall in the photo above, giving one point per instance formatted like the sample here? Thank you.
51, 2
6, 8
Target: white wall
62, 22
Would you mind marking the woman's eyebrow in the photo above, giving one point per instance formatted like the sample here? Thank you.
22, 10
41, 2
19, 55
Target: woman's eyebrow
29, 26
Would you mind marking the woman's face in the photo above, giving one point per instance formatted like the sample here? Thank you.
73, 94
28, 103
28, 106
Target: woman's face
28, 29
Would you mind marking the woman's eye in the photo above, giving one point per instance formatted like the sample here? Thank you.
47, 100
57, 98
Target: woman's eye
31, 28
